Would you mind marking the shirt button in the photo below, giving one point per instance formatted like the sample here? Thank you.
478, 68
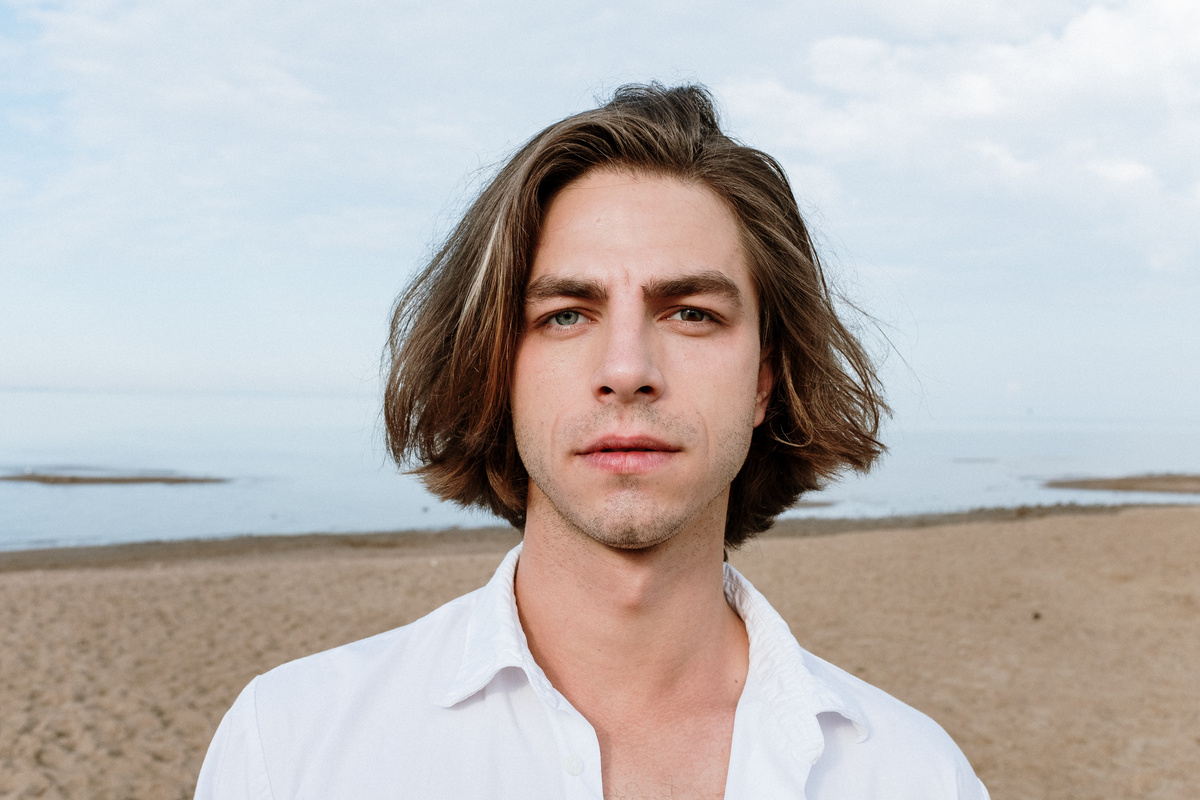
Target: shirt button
573, 764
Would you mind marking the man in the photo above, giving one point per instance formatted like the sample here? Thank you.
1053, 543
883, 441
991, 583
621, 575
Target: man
627, 349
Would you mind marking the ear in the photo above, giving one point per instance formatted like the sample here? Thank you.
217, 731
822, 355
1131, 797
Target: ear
766, 382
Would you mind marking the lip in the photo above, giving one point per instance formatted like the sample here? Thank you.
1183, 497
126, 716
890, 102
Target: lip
627, 455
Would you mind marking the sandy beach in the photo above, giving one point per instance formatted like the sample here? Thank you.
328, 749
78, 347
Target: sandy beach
1059, 649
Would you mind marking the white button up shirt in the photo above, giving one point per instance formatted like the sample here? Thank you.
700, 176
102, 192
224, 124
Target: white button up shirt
454, 706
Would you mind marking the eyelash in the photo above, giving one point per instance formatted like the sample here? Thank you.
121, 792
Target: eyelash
551, 319
707, 316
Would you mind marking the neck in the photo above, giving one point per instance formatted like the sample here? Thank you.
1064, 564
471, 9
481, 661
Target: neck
615, 628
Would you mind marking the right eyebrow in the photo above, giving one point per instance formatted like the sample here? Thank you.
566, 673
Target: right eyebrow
549, 287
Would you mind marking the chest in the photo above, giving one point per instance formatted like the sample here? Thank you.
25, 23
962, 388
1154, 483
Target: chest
689, 760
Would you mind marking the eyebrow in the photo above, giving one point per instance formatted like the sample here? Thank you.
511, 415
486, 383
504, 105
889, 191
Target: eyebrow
708, 282
548, 287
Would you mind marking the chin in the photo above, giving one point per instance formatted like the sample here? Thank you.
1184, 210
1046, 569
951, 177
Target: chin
635, 532
631, 539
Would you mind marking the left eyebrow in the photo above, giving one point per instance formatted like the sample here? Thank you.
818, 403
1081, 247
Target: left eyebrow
709, 282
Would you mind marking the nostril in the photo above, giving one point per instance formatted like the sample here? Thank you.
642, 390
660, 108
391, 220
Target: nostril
645, 390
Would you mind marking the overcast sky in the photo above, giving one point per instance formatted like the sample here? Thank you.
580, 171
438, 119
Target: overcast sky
228, 195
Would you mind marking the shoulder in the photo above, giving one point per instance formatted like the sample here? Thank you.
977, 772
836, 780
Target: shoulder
309, 721
870, 744
881, 714
407, 659
878, 735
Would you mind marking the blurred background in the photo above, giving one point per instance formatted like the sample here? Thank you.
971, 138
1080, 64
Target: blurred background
208, 208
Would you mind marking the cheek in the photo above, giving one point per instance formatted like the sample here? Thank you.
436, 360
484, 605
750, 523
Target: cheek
746, 383
539, 386
733, 403
523, 389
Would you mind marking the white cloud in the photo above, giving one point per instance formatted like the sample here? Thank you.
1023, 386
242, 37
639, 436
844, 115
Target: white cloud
1000, 156
1112, 95
1121, 172
1046, 167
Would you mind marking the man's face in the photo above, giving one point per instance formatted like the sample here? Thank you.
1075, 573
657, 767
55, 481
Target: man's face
639, 377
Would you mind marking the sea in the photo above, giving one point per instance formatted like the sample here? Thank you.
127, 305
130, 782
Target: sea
307, 463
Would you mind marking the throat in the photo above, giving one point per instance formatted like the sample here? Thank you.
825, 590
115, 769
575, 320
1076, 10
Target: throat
629, 638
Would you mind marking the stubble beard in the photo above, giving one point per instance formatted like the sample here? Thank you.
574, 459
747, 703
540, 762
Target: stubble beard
629, 521
630, 518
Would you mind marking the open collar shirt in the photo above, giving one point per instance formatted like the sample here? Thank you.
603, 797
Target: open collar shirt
454, 706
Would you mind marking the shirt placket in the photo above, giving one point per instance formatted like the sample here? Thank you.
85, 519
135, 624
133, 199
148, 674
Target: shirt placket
578, 754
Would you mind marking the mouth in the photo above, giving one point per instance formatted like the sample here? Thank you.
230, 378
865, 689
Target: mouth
628, 444
627, 455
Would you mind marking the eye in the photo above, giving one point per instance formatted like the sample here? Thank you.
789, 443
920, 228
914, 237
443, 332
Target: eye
566, 318
692, 315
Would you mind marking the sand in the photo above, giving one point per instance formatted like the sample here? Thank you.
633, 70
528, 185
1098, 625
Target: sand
1061, 650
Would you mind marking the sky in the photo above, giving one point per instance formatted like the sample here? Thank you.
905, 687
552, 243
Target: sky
227, 196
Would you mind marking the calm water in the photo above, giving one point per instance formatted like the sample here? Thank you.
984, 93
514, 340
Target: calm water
300, 464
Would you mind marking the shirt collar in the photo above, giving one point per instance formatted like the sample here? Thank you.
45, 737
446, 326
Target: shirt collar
495, 640
781, 668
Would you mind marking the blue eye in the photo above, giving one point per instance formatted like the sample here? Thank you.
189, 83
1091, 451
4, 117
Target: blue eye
566, 318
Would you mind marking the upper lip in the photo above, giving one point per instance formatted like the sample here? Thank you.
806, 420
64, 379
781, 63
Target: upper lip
626, 443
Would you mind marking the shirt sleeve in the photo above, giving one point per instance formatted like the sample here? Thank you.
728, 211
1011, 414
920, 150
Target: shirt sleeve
235, 768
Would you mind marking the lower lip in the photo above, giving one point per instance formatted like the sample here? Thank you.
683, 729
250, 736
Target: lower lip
627, 462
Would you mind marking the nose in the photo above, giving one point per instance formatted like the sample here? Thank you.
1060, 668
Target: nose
628, 370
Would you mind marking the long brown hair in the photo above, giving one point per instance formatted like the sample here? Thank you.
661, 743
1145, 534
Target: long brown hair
455, 329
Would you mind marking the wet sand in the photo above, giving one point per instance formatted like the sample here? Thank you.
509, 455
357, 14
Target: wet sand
1058, 647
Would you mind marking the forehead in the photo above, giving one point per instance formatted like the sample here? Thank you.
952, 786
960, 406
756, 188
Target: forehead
620, 226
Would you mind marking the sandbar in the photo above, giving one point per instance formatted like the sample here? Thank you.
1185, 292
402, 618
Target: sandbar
53, 479
1173, 484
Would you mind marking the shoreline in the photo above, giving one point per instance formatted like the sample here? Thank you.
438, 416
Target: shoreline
471, 541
